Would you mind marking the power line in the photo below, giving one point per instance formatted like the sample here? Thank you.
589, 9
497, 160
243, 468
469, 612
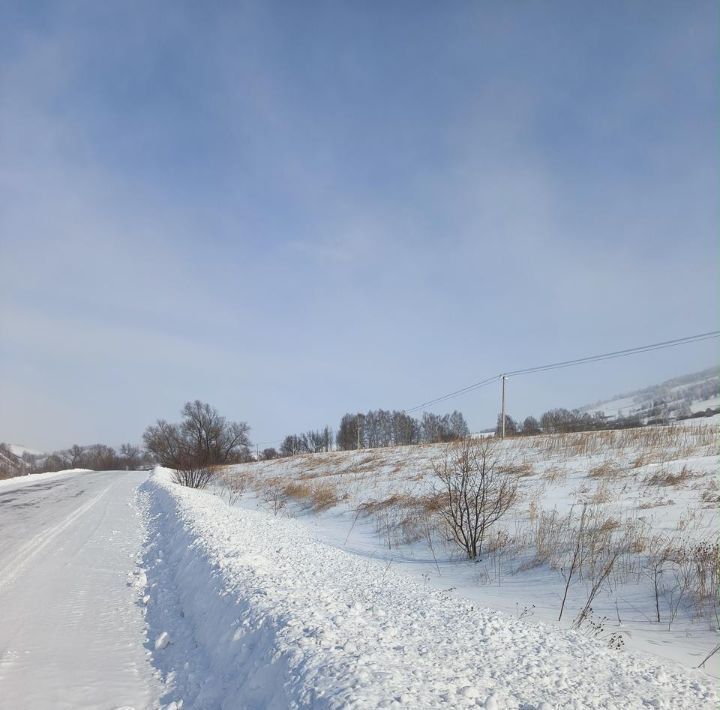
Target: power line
571, 363
618, 353
450, 395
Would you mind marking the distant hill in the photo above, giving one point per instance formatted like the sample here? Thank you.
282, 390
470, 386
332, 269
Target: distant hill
10, 463
678, 398
15, 460
21, 450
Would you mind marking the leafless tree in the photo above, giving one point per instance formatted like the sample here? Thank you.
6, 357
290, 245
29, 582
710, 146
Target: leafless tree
201, 441
212, 438
475, 492
530, 426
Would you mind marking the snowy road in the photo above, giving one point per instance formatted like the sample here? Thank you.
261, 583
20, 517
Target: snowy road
71, 632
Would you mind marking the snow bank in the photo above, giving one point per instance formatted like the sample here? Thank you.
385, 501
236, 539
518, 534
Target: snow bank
248, 610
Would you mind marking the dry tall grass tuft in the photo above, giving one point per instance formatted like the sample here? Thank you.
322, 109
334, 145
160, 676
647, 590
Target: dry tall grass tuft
664, 477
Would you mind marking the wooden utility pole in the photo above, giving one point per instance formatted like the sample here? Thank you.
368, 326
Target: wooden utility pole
503, 408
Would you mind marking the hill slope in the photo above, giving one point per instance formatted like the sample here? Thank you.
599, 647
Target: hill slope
673, 399
650, 495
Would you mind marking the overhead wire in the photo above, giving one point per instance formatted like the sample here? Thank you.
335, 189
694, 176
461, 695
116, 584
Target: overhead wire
570, 363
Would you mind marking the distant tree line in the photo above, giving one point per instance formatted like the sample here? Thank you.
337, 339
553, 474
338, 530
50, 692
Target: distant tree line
565, 421
311, 442
97, 457
378, 428
375, 429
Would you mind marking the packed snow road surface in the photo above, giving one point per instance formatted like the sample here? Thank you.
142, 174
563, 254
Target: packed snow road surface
72, 633
247, 610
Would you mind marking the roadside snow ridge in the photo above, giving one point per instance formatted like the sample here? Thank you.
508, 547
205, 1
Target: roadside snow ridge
273, 618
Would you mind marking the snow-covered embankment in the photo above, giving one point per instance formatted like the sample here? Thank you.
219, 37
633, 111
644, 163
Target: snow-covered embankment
258, 614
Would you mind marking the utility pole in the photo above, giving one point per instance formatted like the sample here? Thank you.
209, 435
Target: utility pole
503, 408
358, 431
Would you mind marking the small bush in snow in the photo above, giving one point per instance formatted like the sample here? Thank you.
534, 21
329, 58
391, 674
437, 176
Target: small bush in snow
192, 476
475, 492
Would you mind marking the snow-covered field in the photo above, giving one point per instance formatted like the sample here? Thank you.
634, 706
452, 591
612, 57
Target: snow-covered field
248, 609
697, 390
648, 490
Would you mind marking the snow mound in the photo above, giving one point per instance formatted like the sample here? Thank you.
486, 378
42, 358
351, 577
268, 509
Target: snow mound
273, 618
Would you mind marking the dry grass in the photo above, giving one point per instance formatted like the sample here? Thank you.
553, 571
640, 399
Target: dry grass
324, 496
655, 503
521, 470
653, 443
555, 475
607, 469
638, 467
664, 477
402, 519
296, 490
710, 497
319, 496
601, 494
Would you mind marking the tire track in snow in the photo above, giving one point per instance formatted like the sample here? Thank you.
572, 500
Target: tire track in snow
33, 547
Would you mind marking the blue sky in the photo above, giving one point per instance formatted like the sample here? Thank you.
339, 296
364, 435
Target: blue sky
294, 210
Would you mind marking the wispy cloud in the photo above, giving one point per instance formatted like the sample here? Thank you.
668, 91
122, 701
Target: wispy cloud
294, 211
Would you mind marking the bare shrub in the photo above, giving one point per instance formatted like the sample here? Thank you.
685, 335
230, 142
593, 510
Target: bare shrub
233, 485
595, 588
476, 493
193, 476
575, 560
275, 499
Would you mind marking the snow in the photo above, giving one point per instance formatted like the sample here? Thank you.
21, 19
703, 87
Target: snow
120, 590
260, 613
509, 579
673, 392
19, 450
32, 478
72, 633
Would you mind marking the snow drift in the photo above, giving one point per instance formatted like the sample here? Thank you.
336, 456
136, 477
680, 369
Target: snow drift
247, 610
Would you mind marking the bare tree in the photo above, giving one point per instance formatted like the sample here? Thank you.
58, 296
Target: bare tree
530, 426
164, 441
201, 441
510, 426
212, 438
476, 493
